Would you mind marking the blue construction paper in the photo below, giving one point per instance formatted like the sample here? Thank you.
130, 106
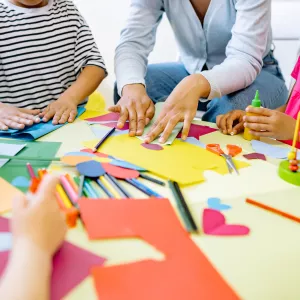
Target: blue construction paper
92, 169
35, 131
21, 182
126, 165
80, 154
5, 241
216, 204
270, 150
194, 141
100, 132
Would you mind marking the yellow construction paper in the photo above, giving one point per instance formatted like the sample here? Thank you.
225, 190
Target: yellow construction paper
8, 192
94, 107
181, 162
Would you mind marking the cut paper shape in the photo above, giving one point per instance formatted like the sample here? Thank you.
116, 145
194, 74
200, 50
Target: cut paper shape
154, 147
252, 156
104, 118
5, 241
270, 150
214, 223
94, 107
198, 130
92, 169
81, 153
120, 173
183, 162
156, 223
9, 149
35, 131
194, 141
21, 182
113, 125
91, 152
100, 132
126, 165
8, 192
75, 160
216, 204
71, 265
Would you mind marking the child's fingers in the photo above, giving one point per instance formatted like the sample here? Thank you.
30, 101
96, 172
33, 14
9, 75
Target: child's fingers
3, 126
72, 116
258, 127
57, 116
12, 124
65, 116
218, 121
223, 124
261, 133
49, 114
47, 189
30, 112
19, 202
238, 128
21, 120
260, 111
257, 119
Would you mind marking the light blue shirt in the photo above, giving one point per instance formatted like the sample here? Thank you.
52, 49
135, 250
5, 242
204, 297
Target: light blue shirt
234, 39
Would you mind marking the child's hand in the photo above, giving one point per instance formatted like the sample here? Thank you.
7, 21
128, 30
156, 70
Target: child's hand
231, 123
270, 123
62, 110
38, 221
17, 118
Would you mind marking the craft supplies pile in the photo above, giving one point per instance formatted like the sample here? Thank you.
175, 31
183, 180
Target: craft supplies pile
98, 163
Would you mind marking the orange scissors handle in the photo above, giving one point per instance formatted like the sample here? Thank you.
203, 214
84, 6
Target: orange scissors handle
234, 150
215, 148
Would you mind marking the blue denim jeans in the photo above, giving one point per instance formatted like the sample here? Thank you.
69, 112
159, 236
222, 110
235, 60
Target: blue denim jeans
161, 79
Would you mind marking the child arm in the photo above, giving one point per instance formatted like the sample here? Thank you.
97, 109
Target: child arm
38, 228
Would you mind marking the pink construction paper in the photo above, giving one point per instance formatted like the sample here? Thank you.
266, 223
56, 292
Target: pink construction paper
255, 156
198, 130
4, 225
105, 118
214, 223
154, 147
71, 265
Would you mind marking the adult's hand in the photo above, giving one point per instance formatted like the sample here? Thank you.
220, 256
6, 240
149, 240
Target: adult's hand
135, 106
181, 106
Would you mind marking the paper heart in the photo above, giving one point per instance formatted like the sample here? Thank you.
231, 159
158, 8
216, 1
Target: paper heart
216, 204
214, 223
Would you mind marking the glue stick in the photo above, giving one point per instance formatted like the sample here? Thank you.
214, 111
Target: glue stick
255, 103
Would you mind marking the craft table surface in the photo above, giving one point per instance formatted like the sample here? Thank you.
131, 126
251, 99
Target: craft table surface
264, 265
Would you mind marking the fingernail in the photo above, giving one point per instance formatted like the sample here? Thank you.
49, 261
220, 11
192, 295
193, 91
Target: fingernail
232, 133
183, 137
245, 124
161, 141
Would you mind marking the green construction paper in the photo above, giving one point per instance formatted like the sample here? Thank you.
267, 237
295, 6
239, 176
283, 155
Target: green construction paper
15, 168
172, 137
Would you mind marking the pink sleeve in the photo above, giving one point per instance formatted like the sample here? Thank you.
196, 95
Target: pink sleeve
296, 72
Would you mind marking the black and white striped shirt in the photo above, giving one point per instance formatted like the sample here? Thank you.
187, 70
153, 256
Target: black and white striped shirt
42, 52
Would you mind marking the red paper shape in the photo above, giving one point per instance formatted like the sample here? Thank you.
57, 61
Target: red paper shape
214, 223
154, 147
71, 265
186, 273
119, 172
104, 118
255, 156
198, 130
96, 153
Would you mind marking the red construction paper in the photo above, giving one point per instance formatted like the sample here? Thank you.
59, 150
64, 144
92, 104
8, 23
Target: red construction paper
119, 172
71, 265
214, 223
154, 147
185, 273
198, 130
105, 118
96, 153
255, 156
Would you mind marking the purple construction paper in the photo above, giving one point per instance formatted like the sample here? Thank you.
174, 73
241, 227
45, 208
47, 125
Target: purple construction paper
255, 156
154, 147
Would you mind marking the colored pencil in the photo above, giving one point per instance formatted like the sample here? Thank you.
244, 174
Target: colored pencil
72, 183
68, 189
83, 193
41, 174
90, 190
104, 139
118, 186
96, 188
64, 197
59, 201
105, 190
30, 171
273, 210
150, 191
183, 208
109, 187
22, 158
81, 185
154, 180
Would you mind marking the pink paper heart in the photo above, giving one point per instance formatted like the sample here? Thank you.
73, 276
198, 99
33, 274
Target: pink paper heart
214, 223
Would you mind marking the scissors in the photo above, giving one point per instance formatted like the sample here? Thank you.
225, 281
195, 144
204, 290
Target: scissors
232, 152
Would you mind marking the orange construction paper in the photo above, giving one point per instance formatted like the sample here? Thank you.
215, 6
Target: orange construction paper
75, 160
8, 192
186, 273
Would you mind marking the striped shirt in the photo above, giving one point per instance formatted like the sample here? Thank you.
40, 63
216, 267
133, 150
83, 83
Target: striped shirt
42, 52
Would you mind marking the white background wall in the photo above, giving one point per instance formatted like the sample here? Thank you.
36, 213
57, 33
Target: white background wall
107, 17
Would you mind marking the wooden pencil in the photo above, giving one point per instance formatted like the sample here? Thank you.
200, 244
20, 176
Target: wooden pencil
104, 139
118, 185
154, 180
183, 208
